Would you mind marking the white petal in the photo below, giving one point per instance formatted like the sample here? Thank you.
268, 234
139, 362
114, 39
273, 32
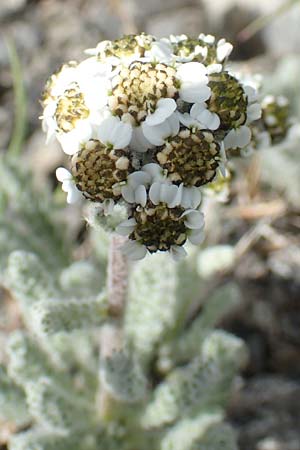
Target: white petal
113, 131
222, 169
141, 195
230, 140
63, 174
69, 142
67, 185
173, 123
243, 136
72, 141
193, 219
160, 51
238, 138
253, 112
214, 68
208, 38
191, 71
177, 252
188, 121
192, 93
196, 237
164, 108
209, 119
169, 195
154, 170
133, 250
126, 227
158, 133
191, 197
128, 193
138, 142
154, 193
73, 195
193, 82
251, 93
137, 178
223, 50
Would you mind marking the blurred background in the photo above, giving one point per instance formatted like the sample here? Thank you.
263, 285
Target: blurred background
261, 221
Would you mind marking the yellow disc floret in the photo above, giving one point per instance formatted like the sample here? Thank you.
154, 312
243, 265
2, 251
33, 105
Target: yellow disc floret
191, 157
139, 87
98, 170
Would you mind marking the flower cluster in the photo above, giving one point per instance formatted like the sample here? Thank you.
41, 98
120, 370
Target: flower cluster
147, 123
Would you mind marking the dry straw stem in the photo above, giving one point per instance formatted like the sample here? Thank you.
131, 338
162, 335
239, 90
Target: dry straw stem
261, 22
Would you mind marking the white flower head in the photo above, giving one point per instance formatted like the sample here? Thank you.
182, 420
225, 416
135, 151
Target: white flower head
162, 223
78, 104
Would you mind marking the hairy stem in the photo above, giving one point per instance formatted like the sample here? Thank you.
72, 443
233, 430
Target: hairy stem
117, 277
111, 333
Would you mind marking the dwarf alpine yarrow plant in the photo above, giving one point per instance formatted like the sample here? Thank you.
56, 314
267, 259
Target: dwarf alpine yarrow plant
148, 123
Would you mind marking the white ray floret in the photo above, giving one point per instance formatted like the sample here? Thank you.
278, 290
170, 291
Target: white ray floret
206, 118
223, 50
159, 133
177, 252
126, 227
193, 219
156, 172
134, 250
160, 51
68, 185
193, 82
114, 132
238, 138
164, 109
165, 193
138, 142
133, 191
190, 197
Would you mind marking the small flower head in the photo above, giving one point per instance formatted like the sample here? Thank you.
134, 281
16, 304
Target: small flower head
275, 117
205, 49
138, 88
162, 223
70, 108
102, 165
228, 100
127, 48
56, 83
98, 170
191, 157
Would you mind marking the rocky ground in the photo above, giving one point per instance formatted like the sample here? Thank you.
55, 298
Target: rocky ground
265, 410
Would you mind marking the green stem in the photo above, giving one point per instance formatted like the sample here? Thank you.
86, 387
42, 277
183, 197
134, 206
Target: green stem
19, 129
